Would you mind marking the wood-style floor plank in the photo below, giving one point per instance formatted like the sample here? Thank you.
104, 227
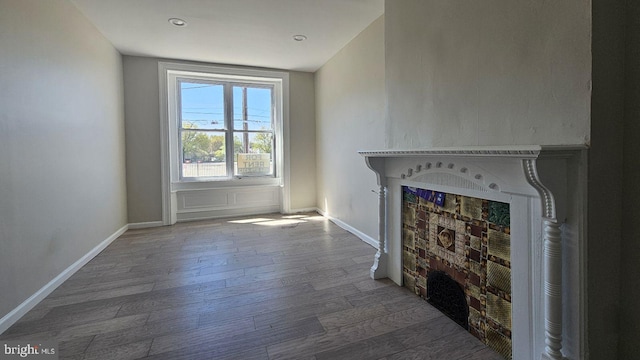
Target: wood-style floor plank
371, 348
252, 288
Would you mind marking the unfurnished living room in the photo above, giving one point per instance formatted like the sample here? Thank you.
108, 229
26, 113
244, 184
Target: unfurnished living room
319, 179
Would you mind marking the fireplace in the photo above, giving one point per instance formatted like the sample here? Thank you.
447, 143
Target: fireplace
541, 189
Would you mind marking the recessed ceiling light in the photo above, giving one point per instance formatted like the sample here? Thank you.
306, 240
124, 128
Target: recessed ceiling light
299, 37
177, 22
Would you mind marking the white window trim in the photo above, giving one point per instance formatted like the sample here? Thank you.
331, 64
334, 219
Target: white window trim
171, 182
173, 77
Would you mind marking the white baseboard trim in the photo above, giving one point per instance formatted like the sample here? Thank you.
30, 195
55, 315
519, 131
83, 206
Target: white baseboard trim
145, 225
364, 237
15, 314
302, 210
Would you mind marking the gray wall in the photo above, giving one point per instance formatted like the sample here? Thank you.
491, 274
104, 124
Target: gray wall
501, 72
605, 180
613, 245
141, 94
142, 114
302, 142
630, 269
62, 177
350, 117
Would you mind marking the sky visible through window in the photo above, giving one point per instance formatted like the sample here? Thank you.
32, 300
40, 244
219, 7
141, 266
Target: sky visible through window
203, 107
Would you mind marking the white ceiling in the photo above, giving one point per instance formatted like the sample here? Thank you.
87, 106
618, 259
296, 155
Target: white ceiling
242, 32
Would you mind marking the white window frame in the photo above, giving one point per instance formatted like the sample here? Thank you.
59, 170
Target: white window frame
168, 73
175, 77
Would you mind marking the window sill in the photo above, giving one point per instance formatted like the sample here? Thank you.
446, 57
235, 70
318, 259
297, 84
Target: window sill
226, 183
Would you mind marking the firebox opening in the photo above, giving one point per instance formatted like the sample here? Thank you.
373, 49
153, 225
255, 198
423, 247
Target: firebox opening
446, 295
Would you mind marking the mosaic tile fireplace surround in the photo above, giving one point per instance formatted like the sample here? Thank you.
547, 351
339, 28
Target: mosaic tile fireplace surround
505, 223
468, 239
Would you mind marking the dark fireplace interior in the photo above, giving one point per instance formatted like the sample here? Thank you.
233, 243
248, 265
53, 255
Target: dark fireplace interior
446, 294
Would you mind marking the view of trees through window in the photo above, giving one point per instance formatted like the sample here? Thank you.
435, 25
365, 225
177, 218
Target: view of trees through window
206, 128
204, 147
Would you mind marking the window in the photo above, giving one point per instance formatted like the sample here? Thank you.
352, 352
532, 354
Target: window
224, 140
224, 126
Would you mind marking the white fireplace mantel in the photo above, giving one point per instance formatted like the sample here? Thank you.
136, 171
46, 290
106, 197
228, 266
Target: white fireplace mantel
545, 189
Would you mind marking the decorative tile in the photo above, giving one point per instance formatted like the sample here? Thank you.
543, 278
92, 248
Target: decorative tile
422, 202
409, 215
475, 303
461, 257
408, 195
499, 244
474, 255
475, 318
499, 276
474, 279
422, 263
475, 230
409, 238
471, 207
499, 310
409, 281
448, 222
467, 238
449, 203
475, 242
474, 291
474, 267
447, 239
499, 213
409, 261
422, 213
500, 343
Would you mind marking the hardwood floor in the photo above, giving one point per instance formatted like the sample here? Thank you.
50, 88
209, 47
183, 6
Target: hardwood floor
263, 287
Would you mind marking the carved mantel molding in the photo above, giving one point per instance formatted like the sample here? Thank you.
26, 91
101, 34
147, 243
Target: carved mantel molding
535, 172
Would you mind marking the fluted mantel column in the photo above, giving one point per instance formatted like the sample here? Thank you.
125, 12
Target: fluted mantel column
552, 239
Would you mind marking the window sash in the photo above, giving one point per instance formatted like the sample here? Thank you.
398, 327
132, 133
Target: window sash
228, 126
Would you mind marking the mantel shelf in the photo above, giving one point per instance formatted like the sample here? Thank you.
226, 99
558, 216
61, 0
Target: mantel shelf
519, 151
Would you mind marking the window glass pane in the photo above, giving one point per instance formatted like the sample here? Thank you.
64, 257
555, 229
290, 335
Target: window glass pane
202, 105
203, 154
253, 153
252, 108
